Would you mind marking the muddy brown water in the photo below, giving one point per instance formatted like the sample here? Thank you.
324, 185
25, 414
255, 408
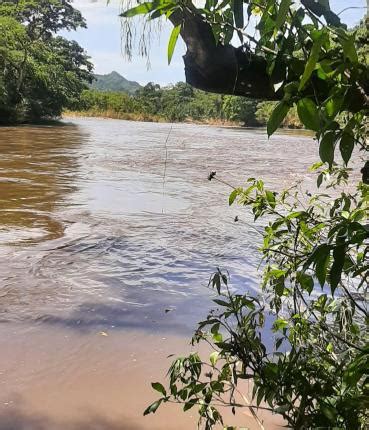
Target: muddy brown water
109, 231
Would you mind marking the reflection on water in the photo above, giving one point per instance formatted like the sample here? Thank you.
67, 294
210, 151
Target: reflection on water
55, 379
94, 235
96, 239
37, 167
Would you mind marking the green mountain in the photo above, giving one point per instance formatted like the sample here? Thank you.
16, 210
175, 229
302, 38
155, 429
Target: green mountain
114, 82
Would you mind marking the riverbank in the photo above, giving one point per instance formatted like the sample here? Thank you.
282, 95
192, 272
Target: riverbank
143, 117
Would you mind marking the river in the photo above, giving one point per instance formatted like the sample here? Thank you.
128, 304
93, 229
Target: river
109, 232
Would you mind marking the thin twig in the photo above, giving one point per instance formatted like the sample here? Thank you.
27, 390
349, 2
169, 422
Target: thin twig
350, 7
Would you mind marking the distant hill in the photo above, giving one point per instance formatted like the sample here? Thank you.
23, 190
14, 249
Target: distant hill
114, 82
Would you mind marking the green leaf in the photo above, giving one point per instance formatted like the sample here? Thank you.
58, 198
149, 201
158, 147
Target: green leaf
216, 282
183, 394
329, 412
217, 337
153, 407
238, 13
159, 387
189, 405
198, 388
349, 50
347, 144
322, 264
339, 254
277, 116
173, 41
282, 13
167, 9
283, 408
320, 260
271, 198
278, 342
260, 396
326, 148
279, 286
333, 105
221, 302
280, 324
306, 281
319, 180
214, 358
313, 59
141, 9
308, 114
233, 195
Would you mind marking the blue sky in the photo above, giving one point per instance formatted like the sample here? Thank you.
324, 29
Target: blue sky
102, 40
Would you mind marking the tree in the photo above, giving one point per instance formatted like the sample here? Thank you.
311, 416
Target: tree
241, 109
150, 97
41, 73
43, 18
315, 248
265, 109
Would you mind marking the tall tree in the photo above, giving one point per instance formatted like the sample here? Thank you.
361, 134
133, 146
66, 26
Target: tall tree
41, 72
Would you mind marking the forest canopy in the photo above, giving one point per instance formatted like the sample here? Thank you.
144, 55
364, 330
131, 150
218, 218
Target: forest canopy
41, 73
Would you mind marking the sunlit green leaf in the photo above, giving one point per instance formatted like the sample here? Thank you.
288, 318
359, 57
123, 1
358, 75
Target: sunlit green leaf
308, 114
214, 358
280, 324
313, 58
173, 41
233, 195
277, 116
141, 9
333, 105
348, 45
271, 198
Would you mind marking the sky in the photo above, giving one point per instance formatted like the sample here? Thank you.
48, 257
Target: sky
102, 41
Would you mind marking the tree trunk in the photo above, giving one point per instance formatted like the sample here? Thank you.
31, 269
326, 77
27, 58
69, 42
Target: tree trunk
220, 68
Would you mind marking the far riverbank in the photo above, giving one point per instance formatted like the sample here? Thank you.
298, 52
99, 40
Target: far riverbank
144, 117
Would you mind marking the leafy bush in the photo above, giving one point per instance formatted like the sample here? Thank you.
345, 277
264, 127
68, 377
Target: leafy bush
313, 301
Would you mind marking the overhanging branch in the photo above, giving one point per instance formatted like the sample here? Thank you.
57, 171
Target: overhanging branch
220, 68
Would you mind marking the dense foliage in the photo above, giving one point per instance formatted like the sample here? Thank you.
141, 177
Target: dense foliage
179, 102
304, 341
40, 72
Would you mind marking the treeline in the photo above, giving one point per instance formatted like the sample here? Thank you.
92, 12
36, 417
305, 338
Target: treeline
41, 73
179, 103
